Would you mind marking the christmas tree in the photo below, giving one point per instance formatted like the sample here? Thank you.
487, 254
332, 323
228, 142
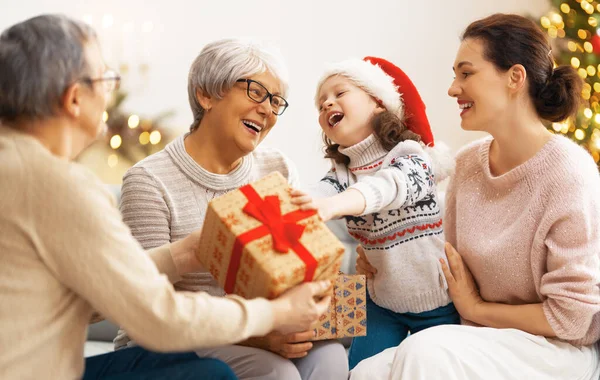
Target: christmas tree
130, 136
573, 26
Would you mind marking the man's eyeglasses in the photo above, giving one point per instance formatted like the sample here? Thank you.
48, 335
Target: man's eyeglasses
258, 93
110, 80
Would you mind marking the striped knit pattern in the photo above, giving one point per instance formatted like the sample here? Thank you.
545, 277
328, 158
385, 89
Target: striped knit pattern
165, 196
532, 235
401, 229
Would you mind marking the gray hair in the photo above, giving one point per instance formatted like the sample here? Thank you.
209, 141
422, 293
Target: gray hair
221, 63
39, 59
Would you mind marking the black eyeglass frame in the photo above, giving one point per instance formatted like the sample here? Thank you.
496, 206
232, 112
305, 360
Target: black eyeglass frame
109, 75
285, 105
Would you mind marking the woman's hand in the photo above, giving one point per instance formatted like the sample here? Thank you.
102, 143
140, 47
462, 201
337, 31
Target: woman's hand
461, 285
184, 251
362, 264
289, 346
296, 310
323, 206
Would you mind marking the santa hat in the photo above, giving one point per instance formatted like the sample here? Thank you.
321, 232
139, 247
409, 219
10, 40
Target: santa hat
387, 83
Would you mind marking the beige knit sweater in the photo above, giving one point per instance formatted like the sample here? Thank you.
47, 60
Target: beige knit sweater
532, 235
64, 251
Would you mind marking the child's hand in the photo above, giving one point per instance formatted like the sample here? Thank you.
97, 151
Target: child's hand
363, 266
306, 202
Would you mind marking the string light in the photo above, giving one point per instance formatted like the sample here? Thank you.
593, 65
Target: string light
155, 137
575, 62
144, 138
588, 113
545, 21
589, 8
565, 8
113, 160
557, 126
591, 70
116, 141
579, 134
104, 116
133, 121
572, 46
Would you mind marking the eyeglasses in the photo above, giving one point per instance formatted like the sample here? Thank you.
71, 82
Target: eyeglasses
258, 93
110, 80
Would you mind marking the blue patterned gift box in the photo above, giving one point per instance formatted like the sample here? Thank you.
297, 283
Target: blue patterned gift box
347, 313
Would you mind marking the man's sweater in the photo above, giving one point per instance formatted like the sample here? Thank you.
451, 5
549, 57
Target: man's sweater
64, 251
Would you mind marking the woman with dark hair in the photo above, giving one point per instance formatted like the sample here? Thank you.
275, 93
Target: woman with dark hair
522, 224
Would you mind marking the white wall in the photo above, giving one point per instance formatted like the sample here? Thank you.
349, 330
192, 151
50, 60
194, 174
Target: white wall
419, 36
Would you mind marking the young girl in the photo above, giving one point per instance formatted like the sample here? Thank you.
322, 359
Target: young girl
383, 183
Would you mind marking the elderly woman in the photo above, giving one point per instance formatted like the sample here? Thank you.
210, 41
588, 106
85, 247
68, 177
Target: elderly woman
64, 249
237, 91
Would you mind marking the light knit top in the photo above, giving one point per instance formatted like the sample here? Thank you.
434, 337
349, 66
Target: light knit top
164, 198
65, 251
401, 229
532, 235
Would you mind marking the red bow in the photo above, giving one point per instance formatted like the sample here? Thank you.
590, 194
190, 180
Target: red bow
285, 232
284, 229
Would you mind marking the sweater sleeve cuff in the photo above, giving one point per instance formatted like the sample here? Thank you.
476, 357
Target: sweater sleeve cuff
164, 262
260, 315
373, 197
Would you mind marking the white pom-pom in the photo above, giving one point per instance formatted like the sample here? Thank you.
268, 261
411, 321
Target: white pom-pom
442, 160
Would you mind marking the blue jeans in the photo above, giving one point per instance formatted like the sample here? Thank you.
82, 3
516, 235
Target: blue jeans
138, 363
387, 329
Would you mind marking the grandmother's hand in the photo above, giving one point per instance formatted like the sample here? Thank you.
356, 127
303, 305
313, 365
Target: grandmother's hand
290, 346
184, 251
461, 285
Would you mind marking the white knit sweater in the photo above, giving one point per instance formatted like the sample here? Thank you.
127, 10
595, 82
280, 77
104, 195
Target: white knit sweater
401, 230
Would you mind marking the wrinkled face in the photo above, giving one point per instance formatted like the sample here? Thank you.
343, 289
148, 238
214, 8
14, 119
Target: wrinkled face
345, 111
94, 96
479, 87
243, 122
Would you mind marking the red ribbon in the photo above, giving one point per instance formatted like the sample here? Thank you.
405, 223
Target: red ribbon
284, 229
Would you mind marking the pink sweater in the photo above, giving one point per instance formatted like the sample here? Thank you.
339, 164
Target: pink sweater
532, 235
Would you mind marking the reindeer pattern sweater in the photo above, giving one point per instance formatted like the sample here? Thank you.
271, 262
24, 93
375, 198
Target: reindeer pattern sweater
401, 229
